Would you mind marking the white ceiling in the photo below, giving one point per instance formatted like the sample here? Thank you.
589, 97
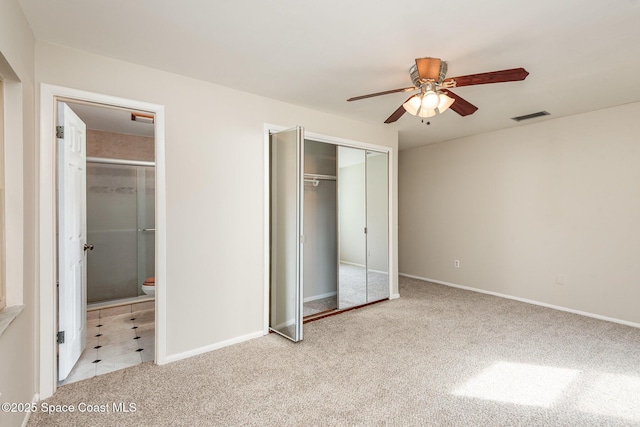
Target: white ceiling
581, 55
111, 120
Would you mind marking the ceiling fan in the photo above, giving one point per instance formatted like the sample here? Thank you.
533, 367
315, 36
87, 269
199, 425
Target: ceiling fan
428, 76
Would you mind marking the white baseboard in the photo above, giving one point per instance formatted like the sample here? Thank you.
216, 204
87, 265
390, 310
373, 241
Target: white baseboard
286, 324
34, 400
216, 346
352, 263
392, 296
316, 297
363, 266
525, 300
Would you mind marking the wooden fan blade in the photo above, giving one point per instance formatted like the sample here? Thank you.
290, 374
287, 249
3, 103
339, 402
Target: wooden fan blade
398, 113
428, 68
386, 92
461, 105
511, 75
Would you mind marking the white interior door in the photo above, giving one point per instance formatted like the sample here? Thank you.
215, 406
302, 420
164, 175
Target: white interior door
72, 241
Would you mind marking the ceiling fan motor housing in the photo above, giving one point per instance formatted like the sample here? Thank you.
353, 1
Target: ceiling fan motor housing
428, 70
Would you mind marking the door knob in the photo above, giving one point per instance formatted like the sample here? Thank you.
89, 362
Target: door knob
88, 247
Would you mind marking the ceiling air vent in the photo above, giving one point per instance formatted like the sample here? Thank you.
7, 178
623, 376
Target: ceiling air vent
530, 116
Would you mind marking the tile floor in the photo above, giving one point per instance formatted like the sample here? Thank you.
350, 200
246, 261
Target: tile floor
117, 338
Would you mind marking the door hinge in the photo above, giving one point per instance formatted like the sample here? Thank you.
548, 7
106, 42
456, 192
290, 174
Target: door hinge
60, 337
60, 132
365, 230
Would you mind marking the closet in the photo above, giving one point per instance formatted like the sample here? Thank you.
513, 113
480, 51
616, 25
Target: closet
320, 261
329, 245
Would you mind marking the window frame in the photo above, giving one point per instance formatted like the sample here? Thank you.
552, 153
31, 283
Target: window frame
3, 290
13, 129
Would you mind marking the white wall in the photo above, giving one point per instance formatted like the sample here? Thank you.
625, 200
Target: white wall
527, 207
17, 343
377, 212
352, 211
215, 186
364, 203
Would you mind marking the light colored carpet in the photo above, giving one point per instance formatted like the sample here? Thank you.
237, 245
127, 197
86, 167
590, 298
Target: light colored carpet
319, 305
354, 289
436, 356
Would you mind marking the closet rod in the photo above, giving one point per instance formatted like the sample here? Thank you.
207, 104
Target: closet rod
324, 177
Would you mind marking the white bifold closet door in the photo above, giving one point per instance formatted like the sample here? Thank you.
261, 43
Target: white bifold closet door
286, 216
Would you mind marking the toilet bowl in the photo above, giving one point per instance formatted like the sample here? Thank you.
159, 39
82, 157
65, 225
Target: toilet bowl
149, 286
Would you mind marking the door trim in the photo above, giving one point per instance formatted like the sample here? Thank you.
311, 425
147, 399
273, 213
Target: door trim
393, 267
47, 218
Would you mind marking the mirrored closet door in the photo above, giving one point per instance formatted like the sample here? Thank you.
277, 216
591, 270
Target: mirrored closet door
352, 220
329, 219
377, 226
363, 217
286, 217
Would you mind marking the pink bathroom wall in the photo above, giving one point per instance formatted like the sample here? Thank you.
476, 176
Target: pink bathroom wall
119, 145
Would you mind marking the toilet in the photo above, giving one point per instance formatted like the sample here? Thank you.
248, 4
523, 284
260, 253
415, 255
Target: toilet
149, 286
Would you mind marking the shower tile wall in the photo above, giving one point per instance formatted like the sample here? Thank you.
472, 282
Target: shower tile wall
119, 146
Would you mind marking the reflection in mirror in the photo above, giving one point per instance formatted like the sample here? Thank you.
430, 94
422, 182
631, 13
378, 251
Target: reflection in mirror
352, 277
377, 226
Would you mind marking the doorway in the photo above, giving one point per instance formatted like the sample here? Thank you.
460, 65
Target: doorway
117, 209
49, 97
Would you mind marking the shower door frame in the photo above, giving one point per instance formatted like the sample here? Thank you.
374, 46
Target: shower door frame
136, 164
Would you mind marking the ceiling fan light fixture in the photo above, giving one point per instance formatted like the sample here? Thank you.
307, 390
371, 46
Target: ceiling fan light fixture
445, 103
424, 113
430, 100
413, 105
428, 104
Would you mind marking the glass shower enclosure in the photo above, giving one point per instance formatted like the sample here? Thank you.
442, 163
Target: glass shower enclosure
121, 227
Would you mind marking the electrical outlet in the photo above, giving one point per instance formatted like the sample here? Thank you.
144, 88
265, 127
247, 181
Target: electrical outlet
560, 279
456, 263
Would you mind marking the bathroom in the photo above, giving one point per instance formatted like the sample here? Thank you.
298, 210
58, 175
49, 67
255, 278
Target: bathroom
120, 260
